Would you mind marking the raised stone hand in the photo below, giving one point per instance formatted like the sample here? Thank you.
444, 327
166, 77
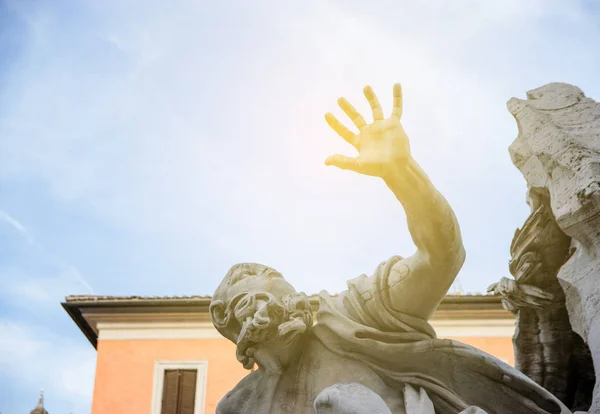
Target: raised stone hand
382, 145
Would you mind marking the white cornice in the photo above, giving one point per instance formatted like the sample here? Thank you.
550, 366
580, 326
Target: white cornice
94, 319
156, 329
474, 328
150, 330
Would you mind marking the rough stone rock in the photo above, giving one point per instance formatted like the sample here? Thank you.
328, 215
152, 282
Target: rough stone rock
546, 348
558, 152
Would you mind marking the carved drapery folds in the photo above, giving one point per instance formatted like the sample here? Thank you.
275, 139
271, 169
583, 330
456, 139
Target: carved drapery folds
546, 348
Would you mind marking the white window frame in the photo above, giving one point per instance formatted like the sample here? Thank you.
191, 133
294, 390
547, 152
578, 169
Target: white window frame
160, 367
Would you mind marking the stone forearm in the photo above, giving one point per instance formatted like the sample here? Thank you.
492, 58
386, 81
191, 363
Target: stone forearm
431, 221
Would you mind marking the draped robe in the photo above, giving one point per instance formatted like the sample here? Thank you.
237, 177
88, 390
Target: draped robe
359, 329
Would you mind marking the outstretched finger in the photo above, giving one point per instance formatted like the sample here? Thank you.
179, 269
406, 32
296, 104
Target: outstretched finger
341, 130
397, 111
357, 118
374, 102
343, 162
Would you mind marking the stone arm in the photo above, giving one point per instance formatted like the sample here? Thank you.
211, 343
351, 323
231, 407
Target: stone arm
418, 283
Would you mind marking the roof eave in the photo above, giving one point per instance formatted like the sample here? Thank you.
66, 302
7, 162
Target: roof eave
74, 305
74, 311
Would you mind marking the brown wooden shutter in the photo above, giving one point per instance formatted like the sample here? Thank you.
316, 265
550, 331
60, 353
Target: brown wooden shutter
179, 391
170, 392
187, 392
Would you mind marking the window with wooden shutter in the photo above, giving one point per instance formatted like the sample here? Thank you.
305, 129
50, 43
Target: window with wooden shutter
179, 391
179, 387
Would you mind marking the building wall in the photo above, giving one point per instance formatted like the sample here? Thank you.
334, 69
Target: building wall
125, 368
125, 371
500, 347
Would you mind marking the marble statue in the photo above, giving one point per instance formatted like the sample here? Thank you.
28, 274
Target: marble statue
558, 152
376, 332
349, 398
354, 398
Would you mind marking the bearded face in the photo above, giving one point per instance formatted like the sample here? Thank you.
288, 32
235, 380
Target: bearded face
268, 324
259, 311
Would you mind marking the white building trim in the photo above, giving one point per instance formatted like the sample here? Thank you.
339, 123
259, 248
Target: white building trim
159, 377
474, 328
119, 330
159, 330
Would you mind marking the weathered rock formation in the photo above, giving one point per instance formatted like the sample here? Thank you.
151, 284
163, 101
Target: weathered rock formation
546, 348
558, 152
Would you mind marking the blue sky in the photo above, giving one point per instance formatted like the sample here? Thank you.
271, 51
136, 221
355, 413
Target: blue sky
147, 147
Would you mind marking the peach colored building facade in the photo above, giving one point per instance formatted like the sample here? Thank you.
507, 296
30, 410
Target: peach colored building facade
137, 339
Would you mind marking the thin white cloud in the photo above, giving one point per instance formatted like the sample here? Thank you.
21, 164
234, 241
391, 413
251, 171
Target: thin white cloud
4, 216
15, 283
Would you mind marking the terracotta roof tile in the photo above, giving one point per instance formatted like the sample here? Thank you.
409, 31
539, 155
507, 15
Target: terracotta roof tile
109, 298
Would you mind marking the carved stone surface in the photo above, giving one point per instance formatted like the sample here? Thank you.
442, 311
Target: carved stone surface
354, 398
375, 333
558, 152
349, 398
546, 348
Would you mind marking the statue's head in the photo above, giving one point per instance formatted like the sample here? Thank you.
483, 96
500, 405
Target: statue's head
256, 308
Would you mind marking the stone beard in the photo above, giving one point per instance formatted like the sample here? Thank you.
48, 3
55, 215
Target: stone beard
267, 323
